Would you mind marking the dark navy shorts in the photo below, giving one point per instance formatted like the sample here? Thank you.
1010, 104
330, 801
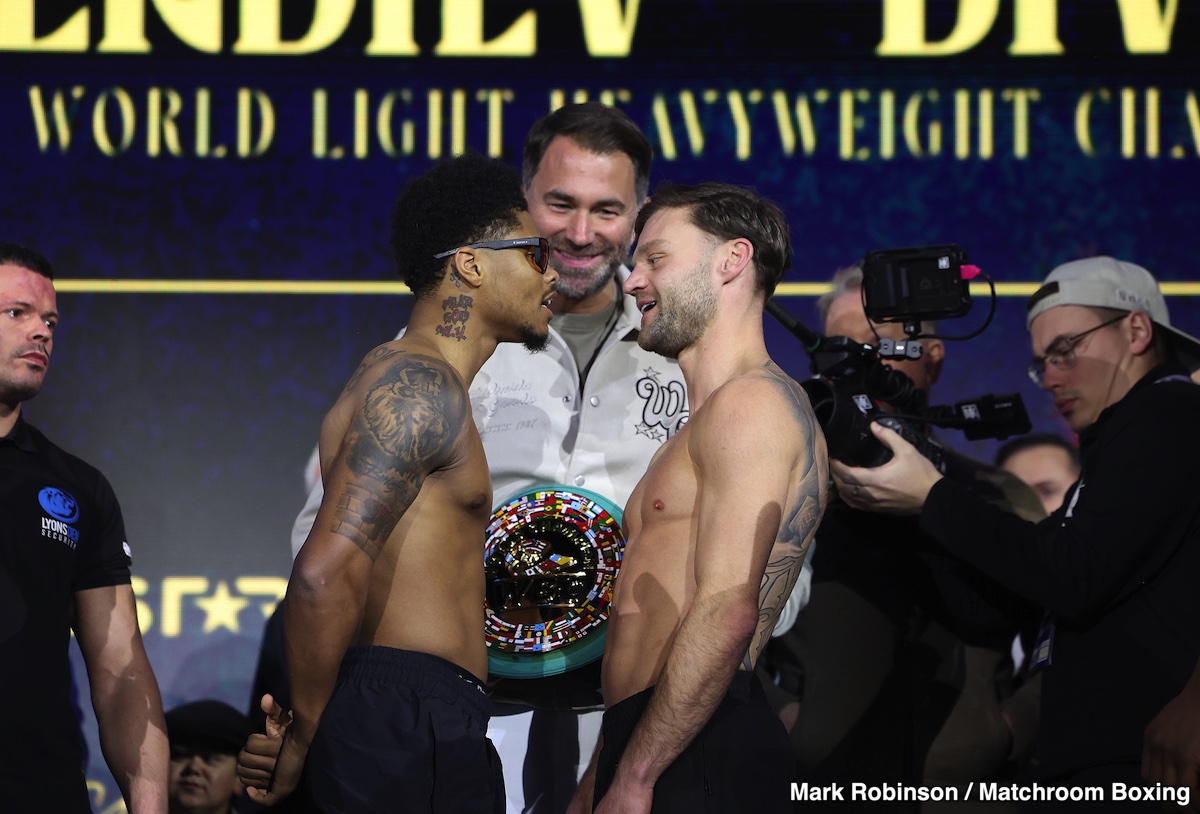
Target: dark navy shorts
740, 761
404, 732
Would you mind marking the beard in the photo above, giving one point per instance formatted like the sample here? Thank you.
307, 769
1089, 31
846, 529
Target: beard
579, 284
683, 316
534, 341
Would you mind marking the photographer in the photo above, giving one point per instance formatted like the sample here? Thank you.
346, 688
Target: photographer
1117, 566
926, 690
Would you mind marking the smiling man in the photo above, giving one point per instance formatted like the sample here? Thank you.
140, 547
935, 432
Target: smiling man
587, 413
585, 416
719, 526
584, 183
1116, 566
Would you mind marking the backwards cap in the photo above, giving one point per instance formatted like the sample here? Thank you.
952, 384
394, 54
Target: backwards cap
1104, 282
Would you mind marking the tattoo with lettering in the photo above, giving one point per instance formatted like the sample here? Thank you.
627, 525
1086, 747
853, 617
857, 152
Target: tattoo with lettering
455, 312
455, 278
407, 428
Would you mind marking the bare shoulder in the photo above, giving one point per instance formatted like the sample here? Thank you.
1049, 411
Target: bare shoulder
763, 413
402, 417
403, 408
402, 360
403, 396
766, 397
379, 355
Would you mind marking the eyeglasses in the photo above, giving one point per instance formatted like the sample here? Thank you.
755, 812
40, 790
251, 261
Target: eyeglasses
1062, 354
537, 249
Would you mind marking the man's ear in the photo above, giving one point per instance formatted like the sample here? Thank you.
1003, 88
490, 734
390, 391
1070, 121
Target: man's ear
735, 257
466, 270
1141, 332
934, 354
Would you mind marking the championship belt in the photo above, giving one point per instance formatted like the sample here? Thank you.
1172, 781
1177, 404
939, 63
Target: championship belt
551, 557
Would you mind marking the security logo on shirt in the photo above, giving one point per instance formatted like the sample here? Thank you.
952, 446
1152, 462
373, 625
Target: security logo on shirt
63, 509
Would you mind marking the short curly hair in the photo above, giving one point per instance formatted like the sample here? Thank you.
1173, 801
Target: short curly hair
466, 199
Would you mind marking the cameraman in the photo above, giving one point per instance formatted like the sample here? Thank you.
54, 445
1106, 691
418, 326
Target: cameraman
1117, 566
925, 692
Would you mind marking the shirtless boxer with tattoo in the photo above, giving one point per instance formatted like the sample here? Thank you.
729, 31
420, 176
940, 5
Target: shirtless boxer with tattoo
383, 616
718, 527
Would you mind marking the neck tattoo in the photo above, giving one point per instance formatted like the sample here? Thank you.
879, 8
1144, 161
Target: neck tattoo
455, 312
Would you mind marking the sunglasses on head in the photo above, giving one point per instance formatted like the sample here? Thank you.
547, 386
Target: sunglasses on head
537, 249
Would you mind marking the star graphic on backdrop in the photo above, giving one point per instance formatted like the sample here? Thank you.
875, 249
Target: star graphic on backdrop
222, 609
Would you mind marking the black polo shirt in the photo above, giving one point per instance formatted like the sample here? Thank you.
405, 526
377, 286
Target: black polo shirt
61, 532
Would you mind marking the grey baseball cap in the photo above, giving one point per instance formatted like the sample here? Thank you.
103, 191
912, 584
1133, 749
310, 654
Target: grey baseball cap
1105, 282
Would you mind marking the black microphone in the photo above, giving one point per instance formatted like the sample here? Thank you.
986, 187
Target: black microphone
810, 339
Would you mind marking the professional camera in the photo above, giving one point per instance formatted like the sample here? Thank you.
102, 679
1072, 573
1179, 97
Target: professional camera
852, 382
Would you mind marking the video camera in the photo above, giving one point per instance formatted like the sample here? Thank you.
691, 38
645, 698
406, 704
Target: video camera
910, 286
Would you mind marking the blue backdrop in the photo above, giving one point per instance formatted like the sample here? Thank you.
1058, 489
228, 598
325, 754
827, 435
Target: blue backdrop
214, 158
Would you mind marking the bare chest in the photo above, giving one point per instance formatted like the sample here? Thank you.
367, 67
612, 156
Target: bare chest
659, 518
464, 487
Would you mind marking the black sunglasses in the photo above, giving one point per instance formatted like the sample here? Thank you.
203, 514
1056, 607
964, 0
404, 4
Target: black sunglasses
537, 249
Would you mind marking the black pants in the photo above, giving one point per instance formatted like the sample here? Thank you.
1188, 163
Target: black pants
740, 761
404, 732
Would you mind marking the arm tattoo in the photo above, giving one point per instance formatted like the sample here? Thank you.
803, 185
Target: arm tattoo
406, 429
798, 528
378, 355
455, 312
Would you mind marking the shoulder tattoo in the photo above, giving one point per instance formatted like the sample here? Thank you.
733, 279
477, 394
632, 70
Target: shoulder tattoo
374, 357
407, 428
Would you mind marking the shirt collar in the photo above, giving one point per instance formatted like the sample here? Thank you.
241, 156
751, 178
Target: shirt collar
20, 437
1158, 372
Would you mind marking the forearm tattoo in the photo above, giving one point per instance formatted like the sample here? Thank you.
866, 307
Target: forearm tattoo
406, 429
